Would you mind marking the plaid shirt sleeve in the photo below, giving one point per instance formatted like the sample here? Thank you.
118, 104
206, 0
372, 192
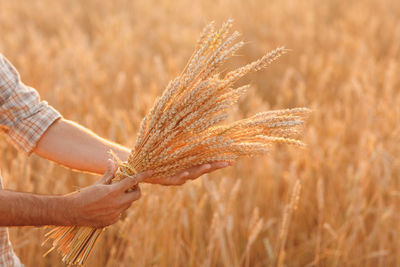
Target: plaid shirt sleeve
23, 116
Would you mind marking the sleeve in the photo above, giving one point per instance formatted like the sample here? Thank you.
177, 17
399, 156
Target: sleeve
24, 118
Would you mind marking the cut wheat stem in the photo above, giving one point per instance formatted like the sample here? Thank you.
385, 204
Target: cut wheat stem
183, 128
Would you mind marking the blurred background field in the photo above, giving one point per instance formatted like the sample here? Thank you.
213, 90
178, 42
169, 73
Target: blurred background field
336, 203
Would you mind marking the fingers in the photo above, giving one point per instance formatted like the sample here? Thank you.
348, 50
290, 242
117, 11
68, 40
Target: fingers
131, 196
131, 181
197, 171
191, 173
144, 175
128, 198
215, 166
178, 179
109, 174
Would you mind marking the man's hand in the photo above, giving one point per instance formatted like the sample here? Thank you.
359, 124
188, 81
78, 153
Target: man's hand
190, 174
101, 204
98, 205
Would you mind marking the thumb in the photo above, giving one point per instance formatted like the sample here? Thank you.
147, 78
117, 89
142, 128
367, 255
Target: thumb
109, 174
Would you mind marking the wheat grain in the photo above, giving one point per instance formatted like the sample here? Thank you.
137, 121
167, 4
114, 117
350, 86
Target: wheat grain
182, 128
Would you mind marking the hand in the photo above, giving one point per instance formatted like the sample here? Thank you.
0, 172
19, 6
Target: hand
102, 203
190, 174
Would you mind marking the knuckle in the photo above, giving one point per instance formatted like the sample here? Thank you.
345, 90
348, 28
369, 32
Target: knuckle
130, 182
100, 189
97, 186
112, 191
107, 177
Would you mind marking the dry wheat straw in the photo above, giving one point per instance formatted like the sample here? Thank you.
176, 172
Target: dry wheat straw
182, 128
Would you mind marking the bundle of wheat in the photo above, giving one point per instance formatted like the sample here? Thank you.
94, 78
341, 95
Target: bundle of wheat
183, 127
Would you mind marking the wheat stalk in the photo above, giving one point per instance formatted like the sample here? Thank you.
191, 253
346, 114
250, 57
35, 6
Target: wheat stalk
183, 129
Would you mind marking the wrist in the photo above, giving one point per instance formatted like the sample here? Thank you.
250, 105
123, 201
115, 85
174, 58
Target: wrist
69, 210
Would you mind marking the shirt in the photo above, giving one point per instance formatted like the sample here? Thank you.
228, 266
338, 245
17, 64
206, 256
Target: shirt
24, 118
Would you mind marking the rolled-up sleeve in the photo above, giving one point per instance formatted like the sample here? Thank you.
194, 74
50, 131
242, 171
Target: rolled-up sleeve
24, 118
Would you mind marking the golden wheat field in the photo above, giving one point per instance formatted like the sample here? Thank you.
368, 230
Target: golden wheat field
334, 203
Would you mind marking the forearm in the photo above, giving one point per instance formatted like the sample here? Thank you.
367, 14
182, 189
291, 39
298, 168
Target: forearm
24, 209
74, 146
